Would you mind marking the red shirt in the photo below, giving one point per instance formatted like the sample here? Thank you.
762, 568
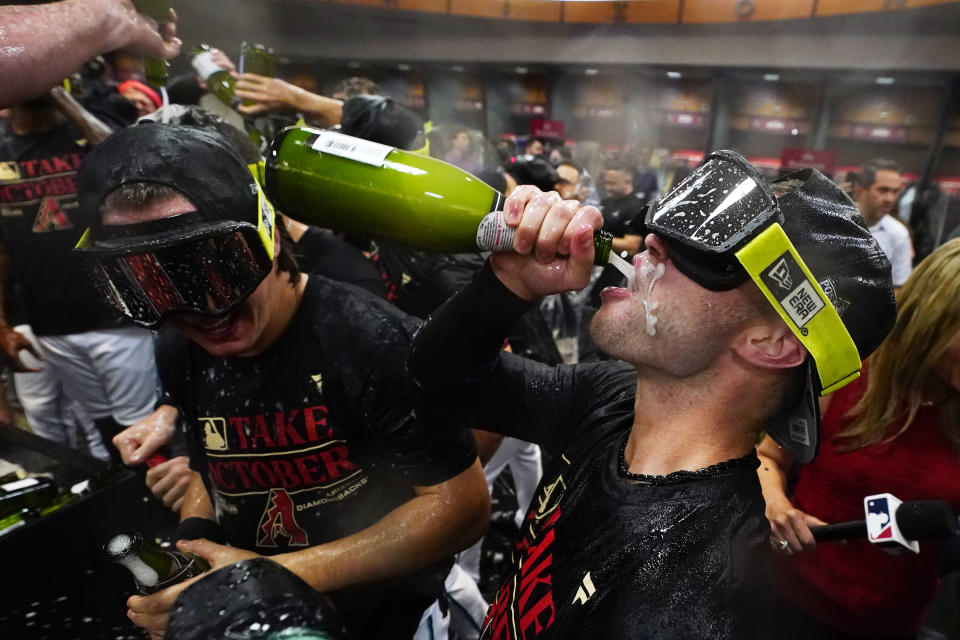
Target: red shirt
858, 588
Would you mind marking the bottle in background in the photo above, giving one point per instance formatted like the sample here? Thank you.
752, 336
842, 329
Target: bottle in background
360, 187
155, 69
153, 568
219, 81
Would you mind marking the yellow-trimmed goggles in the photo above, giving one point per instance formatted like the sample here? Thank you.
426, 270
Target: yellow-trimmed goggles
722, 225
182, 263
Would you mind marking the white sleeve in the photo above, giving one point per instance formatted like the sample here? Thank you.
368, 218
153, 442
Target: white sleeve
902, 259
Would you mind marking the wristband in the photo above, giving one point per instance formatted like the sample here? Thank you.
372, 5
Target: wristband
193, 528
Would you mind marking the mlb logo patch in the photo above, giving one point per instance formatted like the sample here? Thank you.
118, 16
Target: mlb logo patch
879, 519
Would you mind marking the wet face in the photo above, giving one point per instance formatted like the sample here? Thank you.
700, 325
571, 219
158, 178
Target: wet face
877, 200
617, 183
665, 321
948, 367
145, 105
237, 333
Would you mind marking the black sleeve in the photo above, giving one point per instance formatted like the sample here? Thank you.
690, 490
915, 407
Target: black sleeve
462, 374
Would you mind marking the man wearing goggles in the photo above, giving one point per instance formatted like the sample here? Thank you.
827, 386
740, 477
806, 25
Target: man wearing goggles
749, 301
291, 389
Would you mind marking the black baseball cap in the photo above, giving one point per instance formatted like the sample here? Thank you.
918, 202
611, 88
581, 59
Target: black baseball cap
828, 231
199, 163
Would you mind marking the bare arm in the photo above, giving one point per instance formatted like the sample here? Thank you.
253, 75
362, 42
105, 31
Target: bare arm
33, 61
441, 520
274, 94
786, 522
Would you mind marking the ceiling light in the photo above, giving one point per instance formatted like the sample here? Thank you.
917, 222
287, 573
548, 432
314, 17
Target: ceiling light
771, 77
591, 72
457, 68
520, 69
674, 74
884, 80
403, 67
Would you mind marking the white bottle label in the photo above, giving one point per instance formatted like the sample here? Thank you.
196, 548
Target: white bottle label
352, 148
19, 484
204, 65
494, 234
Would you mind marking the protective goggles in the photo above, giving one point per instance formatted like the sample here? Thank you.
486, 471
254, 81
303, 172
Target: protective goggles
722, 226
152, 270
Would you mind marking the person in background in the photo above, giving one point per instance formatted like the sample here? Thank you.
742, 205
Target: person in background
355, 86
534, 147
94, 366
568, 182
261, 94
83, 31
462, 152
877, 187
145, 98
621, 207
895, 430
644, 177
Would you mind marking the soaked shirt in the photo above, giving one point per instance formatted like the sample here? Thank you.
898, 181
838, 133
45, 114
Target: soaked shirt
39, 228
314, 439
600, 556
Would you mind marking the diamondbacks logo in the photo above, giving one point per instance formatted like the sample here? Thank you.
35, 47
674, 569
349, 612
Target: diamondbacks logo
50, 217
214, 434
278, 521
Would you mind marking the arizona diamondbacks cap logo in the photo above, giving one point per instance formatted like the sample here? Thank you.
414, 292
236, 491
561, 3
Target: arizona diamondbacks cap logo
800, 301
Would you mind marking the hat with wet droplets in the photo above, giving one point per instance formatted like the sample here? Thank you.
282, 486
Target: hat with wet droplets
810, 254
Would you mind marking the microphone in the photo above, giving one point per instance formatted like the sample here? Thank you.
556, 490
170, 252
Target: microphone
891, 523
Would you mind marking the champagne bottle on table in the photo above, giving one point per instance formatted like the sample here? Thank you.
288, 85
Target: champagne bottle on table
153, 568
33, 494
356, 186
219, 81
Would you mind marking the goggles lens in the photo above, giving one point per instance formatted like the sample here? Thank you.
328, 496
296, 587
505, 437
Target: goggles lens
208, 276
717, 208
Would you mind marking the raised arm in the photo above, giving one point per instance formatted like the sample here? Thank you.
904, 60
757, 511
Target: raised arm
42, 44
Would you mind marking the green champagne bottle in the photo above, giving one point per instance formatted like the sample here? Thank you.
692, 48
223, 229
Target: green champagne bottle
361, 187
153, 568
33, 494
219, 81
155, 69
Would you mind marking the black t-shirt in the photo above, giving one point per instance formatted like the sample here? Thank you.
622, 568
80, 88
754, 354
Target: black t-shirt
619, 213
325, 254
314, 439
600, 556
39, 227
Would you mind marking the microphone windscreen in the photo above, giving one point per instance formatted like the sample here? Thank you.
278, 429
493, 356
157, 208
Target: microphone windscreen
924, 519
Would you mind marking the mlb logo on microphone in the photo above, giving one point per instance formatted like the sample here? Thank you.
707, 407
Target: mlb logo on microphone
879, 518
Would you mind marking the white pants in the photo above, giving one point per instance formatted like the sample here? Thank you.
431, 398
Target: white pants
49, 412
467, 606
111, 373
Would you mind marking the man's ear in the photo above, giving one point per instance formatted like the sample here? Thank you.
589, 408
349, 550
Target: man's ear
771, 345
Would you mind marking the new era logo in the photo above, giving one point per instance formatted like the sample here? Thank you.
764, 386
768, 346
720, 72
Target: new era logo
780, 274
585, 591
799, 431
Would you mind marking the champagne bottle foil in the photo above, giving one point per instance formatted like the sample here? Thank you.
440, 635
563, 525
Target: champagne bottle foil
494, 234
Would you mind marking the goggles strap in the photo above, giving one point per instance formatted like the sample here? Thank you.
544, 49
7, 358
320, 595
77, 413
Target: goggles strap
265, 213
775, 266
